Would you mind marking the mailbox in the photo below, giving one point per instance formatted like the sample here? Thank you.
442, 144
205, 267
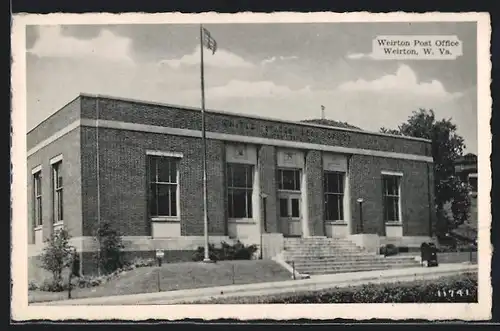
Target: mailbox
159, 256
428, 254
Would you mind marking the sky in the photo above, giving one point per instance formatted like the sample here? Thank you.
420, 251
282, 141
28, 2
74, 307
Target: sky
284, 71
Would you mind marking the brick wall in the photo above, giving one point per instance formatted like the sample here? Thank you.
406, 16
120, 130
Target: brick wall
170, 116
366, 183
68, 146
57, 121
122, 155
123, 180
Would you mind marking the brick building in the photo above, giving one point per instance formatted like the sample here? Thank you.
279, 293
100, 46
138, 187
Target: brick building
139, 165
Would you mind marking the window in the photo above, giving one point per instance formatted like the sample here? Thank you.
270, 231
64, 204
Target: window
334, 195
289, 179
57, 185
37, 197
391, 198
163, 186
239, 190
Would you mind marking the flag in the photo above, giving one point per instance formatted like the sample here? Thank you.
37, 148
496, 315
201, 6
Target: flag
208, 41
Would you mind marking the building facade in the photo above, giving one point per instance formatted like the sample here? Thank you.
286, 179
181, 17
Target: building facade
139, 166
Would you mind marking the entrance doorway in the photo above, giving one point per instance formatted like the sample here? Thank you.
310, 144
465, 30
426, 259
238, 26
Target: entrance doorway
290, 214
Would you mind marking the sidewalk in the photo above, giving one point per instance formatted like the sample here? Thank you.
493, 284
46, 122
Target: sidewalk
314, 283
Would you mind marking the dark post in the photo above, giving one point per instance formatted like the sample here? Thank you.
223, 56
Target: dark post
263, 227
232, 273
293, 270
74, 270
360, 202
159, 256
69, 284
158, 280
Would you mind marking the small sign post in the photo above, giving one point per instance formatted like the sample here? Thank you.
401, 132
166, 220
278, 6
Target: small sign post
159, 256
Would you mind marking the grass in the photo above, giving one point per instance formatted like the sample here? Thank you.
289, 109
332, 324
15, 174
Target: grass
177, 276
398, 292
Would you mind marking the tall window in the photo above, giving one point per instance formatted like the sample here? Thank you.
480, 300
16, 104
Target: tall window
289, 179
391, 198
239, 190
57, 185
163, 185
37, 196
334, 195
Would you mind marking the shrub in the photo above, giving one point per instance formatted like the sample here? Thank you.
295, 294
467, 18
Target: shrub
56, 255
90, 281
467, 248
53, 286
421, 291
139, 263
213, 253
237, 251
32, 286
109, 256
389, 250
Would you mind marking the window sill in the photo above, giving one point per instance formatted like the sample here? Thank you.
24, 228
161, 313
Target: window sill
172, 219
61, 223
242, 220
336, 222
289, 191
393, 223
38, 228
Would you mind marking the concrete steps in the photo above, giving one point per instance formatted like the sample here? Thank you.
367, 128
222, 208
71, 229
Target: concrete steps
321, 255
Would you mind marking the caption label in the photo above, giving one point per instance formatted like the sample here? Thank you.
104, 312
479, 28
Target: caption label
416, 48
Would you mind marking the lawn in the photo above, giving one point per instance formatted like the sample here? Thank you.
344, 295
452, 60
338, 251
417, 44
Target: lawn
177, 276
464, 288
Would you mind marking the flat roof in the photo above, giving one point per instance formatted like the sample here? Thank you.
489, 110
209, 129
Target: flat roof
220, 112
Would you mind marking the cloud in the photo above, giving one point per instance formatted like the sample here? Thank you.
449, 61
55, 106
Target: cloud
257, 89
221, 58
52, 43
274, 59
357, 56
404, 80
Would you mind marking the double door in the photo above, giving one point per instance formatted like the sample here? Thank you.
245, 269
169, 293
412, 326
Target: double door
290, 213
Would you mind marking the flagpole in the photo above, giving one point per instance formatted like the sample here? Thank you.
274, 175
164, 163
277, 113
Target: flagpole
203, 138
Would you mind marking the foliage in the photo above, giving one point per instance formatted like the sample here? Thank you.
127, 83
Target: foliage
90, 281
390, 131
140, 263
237, 251
109, 256
56, 255
461, 202
447, 146
328, 122
463, 287
389, 250
468, 247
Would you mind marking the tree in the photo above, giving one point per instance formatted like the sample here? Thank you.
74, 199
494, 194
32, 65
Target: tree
390, 131
109, 256
56, 255
447, 146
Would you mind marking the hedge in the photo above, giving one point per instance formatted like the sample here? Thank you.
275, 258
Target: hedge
237, 251
423, 291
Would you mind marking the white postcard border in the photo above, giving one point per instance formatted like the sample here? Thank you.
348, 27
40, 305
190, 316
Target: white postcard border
20, 308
